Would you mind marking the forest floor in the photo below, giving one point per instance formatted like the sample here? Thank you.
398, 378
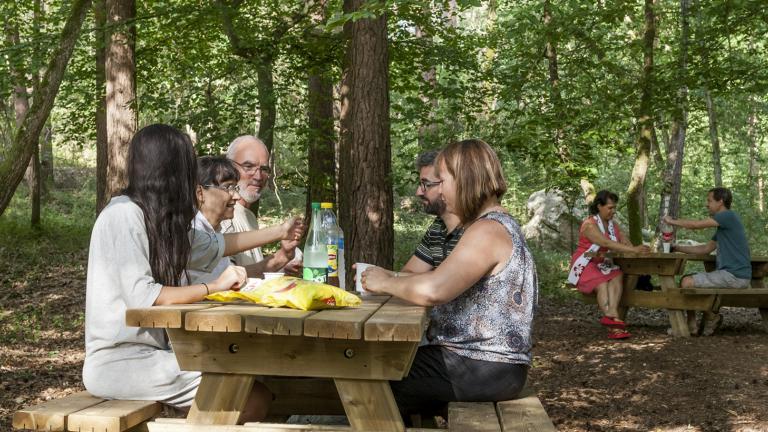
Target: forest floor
586, 382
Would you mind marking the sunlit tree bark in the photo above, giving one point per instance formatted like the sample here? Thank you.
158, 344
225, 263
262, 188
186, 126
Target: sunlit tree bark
635, 191
120, 73
365, 170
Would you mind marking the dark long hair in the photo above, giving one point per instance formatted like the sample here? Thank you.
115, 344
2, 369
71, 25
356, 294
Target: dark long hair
162, 176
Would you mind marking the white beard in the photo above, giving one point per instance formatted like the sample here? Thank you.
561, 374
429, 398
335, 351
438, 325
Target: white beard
250, 197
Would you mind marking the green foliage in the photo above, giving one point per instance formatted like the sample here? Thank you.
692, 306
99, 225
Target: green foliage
43, 266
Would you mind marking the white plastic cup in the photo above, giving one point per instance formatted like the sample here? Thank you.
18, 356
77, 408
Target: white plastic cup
273, 275
359, 269
666, 246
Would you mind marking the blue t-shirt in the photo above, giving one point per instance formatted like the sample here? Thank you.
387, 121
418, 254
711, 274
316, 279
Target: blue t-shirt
732, 246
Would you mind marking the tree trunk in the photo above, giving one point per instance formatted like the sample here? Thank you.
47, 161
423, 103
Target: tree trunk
670, 197
21, 107
635, 191
365, 150
102, 151
715, 140
755, 178
321, 148
46, 158
26, 138
120, 72
321, 181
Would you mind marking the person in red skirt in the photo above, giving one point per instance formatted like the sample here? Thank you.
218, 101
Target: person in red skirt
599, 233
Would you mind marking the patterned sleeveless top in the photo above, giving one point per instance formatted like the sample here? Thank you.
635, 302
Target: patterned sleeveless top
492, 320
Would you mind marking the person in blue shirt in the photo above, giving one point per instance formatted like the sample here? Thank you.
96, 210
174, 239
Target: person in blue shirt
733, 263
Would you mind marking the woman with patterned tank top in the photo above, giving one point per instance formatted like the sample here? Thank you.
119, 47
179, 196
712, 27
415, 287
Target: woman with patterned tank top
483, 296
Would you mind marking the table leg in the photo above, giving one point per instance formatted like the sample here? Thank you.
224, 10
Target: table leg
369, 405
678, 319
220, 398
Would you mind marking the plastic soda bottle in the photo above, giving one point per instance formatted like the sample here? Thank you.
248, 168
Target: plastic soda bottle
342, 269
315, 255
332, 235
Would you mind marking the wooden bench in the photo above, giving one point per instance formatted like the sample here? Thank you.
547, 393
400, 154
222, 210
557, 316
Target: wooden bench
523, 414
83, 412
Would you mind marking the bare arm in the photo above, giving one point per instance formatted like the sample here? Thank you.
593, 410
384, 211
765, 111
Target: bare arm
699, 249
593, 234
485, 247
415, 265
232, 278
692, 223
292, 229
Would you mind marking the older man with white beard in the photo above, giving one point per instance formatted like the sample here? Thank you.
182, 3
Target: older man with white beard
252, 159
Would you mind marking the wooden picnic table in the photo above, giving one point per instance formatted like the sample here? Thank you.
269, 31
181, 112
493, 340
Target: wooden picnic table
360, 348
666, 266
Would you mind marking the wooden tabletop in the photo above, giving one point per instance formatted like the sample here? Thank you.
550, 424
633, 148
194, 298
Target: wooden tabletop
378, 318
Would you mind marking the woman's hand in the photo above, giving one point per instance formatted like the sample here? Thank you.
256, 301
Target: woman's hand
233, 278
642, 249
293, 228
374, 279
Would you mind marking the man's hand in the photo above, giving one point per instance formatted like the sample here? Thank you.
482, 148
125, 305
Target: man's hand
293, 268
374, 279
668, 220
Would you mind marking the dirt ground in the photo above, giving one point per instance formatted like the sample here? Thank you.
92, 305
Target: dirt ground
586, 382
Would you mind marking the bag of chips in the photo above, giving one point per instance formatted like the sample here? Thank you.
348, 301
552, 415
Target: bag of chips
291, 292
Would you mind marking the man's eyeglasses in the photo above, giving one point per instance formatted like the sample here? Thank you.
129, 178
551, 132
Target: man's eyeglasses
426, 184
249, 168
228, 188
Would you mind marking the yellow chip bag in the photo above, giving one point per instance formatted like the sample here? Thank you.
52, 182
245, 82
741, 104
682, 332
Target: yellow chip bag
291, 292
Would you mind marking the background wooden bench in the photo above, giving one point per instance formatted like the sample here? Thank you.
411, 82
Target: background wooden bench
83, 412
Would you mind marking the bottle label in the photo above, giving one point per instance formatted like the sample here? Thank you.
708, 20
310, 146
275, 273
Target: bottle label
333, 262
315, 274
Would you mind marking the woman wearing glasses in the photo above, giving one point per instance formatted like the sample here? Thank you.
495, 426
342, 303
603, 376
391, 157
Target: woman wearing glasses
217, 193
483, 296
140, 246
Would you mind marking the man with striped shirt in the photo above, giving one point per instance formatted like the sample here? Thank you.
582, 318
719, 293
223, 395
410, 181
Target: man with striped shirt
441, 237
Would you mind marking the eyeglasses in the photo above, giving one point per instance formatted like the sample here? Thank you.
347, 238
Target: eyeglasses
426, 184
228, 188
249, 168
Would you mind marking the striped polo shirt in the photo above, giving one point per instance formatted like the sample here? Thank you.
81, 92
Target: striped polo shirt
437, 243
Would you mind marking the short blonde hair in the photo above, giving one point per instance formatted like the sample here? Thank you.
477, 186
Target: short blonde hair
477, 171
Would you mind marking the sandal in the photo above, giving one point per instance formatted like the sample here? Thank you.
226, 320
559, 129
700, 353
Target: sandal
609, 321
617, 333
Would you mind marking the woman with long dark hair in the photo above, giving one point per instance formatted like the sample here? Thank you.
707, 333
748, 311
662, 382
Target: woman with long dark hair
140, 246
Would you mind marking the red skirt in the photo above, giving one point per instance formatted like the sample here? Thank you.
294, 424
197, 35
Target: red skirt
591, 277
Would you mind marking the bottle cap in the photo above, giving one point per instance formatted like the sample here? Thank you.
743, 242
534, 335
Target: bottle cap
326, 205
315, 205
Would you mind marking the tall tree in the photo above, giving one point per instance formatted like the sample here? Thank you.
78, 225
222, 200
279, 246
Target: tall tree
755, 176
21, 107
711, 112
365, 171
26, 138
120, 73
672, 178
102, 150
636, 188
321, 148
